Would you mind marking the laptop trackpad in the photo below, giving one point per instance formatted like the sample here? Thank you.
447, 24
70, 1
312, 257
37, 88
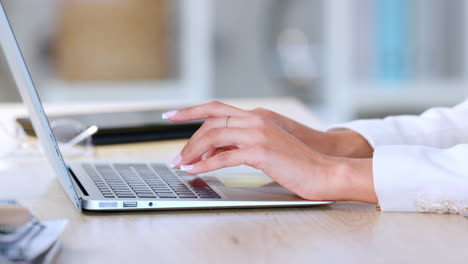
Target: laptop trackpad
245, 180
245, 183
241, 176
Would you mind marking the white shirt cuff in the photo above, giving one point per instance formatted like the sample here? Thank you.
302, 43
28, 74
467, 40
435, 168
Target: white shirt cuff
417, 178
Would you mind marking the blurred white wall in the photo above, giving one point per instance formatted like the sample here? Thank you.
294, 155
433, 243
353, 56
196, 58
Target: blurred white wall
246, 32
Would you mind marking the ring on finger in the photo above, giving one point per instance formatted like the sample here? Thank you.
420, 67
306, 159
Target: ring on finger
227, 121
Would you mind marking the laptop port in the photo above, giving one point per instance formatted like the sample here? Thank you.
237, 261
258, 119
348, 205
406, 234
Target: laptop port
107, 204
130, 204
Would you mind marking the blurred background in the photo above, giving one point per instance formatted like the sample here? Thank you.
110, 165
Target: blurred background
345, 59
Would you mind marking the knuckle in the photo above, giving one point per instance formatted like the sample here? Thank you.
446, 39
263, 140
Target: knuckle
263, 112
215, 103
213, 132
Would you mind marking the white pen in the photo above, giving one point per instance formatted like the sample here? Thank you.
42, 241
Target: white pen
82, 136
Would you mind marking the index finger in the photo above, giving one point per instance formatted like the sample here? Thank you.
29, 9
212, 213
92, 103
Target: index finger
205, 111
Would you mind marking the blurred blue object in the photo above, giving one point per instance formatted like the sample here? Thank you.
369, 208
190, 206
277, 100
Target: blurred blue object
392, 40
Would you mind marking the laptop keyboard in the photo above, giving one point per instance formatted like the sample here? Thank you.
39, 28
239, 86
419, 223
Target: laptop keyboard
121, 180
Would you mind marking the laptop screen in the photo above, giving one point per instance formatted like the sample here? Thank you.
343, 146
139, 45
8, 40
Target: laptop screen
29, 95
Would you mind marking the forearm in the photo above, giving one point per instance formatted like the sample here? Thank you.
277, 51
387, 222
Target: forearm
339, 143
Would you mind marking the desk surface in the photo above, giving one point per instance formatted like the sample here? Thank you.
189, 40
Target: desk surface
344, 232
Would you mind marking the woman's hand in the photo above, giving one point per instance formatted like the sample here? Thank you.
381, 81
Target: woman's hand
343, 143
246, 138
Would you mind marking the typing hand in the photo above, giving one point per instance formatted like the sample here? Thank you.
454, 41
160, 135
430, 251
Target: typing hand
231, 137
343, 143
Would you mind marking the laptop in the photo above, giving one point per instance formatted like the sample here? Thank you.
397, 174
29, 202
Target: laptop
130, 185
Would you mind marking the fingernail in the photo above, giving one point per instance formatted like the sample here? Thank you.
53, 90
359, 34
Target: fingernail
177, 160
204, 156
169, 114
186, 167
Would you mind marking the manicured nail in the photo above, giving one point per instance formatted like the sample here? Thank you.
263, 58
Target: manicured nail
186, 167
204, 156
169, 114
177, 160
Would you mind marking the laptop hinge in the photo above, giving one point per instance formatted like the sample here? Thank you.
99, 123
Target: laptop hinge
83, 190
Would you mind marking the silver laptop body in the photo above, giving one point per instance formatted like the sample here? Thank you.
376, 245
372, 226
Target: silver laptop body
129, 185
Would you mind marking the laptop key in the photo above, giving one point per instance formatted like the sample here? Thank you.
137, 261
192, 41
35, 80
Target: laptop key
143, 190
187, 196
123, 193
140, 194
122, 190
167, 196
126, 196
182, 189
146, 196
162, 190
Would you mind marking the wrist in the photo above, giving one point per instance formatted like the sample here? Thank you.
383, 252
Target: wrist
356, 180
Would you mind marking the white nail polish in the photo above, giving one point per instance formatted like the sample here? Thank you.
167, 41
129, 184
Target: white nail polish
169, 114
186, 167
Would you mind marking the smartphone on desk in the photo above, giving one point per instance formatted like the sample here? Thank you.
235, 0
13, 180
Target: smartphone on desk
124, 127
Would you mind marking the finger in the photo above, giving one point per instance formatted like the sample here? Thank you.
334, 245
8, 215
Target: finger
205, 111
247, 156
210, 153
217, 138
223, 122
218, 122
219, 150
215, 151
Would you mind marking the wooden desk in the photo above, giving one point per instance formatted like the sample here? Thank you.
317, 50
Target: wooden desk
341, 233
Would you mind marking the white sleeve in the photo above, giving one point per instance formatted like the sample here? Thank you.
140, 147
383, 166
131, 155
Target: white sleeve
418, 178
437, 127
420, 163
